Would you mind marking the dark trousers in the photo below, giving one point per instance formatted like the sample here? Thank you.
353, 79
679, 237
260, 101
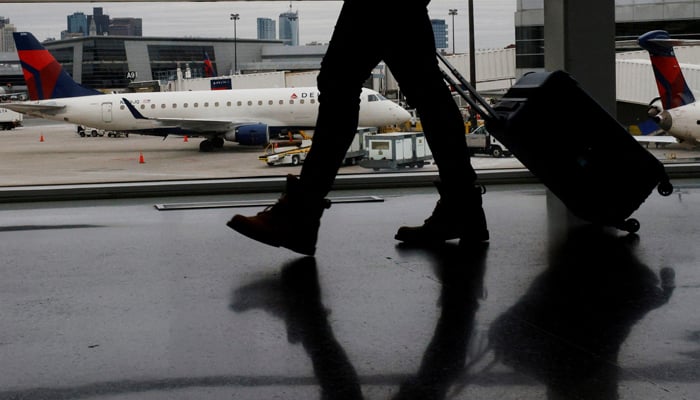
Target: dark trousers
400, 34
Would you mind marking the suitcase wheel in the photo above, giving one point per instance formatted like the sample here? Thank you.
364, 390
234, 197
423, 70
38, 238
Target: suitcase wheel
665, 188
630, 225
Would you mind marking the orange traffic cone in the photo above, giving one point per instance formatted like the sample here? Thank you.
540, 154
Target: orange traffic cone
141, 160
186, 140
41, 139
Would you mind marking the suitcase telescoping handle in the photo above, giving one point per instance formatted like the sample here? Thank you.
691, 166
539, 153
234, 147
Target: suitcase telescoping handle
470, 95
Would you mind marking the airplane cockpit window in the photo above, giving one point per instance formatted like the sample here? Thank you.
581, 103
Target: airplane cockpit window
376, 97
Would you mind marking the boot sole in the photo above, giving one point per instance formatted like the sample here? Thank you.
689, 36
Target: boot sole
268, 240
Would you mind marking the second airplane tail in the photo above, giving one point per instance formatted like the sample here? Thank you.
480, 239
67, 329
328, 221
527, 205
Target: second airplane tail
673, 88
45, 77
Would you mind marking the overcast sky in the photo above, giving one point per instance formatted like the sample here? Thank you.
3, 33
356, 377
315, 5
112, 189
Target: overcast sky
493, 19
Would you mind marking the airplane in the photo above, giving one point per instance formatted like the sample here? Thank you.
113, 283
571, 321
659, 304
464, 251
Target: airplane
679, 113
245, 116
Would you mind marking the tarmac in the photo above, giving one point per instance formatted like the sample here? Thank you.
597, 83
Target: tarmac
155, 298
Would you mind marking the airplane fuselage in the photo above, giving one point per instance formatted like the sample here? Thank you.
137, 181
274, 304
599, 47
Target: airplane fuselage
209, 112
245, 116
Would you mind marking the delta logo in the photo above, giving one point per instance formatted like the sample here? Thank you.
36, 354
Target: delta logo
305, 95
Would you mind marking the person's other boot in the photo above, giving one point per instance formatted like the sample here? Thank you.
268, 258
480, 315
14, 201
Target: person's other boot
292, 222
457, 215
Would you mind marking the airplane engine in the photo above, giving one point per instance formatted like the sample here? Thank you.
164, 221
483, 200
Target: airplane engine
250, 135
653, 111
664, 120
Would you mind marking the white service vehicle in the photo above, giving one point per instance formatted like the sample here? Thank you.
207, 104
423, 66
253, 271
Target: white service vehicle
285, 155
481, 141
10, 119
84, 131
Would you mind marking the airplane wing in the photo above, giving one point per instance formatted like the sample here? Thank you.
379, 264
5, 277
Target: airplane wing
204, 125
655, 139
194, 124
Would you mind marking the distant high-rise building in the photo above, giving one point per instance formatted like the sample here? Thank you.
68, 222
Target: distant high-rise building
7, 41
100, 20
267, 29
289, 28
92, 30
126, 27
77, 23
440, 33
99, 24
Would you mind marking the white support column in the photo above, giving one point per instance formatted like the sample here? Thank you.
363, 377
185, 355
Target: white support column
579, 37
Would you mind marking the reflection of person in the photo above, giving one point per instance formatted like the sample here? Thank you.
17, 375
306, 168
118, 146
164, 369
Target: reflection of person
461, 272
356, 47
296, 298
567, 329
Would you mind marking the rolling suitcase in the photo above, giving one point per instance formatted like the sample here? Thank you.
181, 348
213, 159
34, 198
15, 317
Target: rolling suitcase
592, 164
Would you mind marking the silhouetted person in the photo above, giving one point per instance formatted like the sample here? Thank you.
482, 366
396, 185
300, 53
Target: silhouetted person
567, 330
356, 48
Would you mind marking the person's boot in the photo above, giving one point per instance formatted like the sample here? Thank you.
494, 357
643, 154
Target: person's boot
457, 215
292, 222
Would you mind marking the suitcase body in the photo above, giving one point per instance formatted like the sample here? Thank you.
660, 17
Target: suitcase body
590, 162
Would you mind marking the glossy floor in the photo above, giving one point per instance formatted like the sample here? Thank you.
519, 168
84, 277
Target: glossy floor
123, 300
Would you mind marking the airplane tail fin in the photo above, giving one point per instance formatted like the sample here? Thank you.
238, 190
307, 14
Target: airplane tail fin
209, 70
673, 88
45, 77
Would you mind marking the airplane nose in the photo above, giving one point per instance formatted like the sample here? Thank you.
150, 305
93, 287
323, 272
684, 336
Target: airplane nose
402, 115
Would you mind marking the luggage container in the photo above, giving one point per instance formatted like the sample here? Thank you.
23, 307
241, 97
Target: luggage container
396, 150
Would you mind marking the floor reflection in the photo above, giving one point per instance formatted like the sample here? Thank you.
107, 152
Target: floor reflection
567, 330
295, 296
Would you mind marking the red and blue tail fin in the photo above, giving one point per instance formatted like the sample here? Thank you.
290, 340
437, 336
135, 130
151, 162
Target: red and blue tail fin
673, 89
209, 70
45, 77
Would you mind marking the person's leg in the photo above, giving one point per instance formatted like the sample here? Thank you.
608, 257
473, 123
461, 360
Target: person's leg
294, 221
352, 54
459, 212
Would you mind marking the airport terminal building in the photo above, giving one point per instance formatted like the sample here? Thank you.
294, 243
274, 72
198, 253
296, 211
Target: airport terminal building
112, 62
681, 18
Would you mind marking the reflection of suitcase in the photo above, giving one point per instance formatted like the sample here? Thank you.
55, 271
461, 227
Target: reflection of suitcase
591, 163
